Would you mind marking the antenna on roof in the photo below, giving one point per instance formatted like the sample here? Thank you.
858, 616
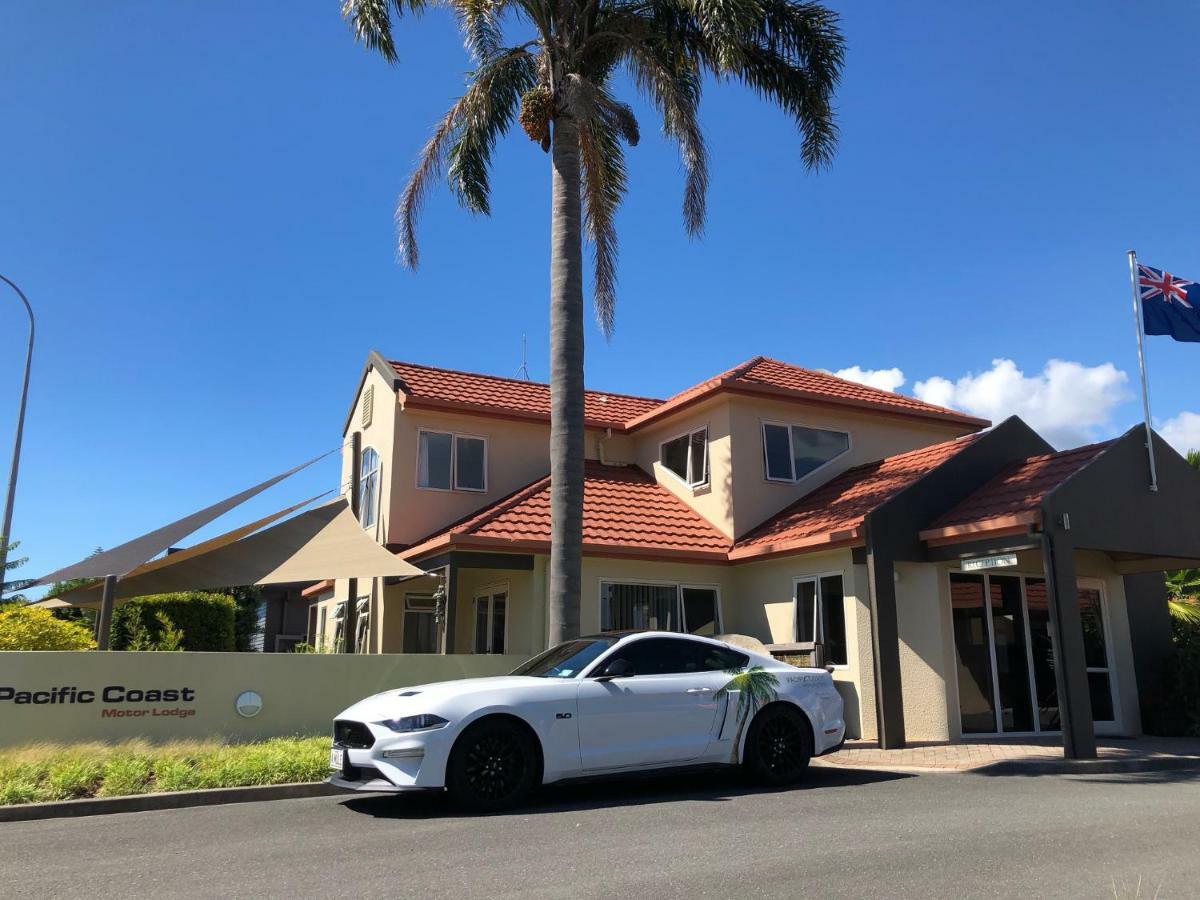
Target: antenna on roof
523, 372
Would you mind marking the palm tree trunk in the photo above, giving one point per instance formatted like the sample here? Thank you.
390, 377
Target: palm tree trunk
566, 383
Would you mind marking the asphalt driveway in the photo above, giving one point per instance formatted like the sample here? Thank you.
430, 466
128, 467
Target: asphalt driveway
843, 834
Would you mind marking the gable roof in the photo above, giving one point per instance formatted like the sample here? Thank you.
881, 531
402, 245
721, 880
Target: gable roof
1013, 498
771, 378
625, 512
833, 514
431, 387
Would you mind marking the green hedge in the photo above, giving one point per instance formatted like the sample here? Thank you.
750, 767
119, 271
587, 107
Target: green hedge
206, 621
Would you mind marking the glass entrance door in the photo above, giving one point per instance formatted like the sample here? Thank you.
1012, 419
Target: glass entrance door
1006, 654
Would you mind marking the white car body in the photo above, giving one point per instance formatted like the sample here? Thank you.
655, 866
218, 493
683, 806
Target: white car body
585, 725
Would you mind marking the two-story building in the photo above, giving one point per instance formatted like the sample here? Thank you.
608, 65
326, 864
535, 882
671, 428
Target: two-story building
929, 558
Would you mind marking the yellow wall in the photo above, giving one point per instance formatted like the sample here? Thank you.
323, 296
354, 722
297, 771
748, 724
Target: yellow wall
301, 693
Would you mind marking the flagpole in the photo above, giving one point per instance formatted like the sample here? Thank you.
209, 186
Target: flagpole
1141, 345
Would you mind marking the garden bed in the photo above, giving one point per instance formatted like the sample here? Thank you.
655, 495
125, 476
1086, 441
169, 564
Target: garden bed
40, 773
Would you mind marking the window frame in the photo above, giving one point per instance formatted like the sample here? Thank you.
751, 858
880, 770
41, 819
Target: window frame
762, 430
418, 610
455, 436
705, 464
680, 611
488, 592
819, 610
375, 489
362, 624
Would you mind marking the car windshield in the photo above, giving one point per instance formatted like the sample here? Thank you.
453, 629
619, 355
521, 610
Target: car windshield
565, 660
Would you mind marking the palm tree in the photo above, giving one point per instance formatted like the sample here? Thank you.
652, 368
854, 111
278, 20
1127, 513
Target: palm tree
559, 81
756, 687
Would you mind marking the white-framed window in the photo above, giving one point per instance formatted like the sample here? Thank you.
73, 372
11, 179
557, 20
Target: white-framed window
451, 462
339, 628
686, 456
420, 624
790, 452
491, 620
821, 614
658, 606
362, 624
368, 486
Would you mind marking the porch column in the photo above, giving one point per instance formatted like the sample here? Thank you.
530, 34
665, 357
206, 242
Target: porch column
104, 618
1070, 673
450, 578
885, 646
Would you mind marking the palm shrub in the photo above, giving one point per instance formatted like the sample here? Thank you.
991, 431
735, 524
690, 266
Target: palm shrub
558, 78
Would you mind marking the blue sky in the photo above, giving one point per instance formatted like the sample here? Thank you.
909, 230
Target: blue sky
197, 197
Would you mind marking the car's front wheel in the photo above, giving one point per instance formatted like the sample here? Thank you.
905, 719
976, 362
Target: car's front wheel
493, 766
779, 745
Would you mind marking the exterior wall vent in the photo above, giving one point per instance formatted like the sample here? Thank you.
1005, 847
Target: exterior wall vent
368, 405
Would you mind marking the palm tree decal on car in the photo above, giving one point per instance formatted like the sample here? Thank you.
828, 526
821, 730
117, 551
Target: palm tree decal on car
755, 688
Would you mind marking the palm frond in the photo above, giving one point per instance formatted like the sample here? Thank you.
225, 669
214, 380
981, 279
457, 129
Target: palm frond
479, 22
673, 86
487, 111
756, 687
1185, 611
371, 22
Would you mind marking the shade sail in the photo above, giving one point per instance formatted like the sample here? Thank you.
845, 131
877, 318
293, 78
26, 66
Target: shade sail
324, 543
128, 556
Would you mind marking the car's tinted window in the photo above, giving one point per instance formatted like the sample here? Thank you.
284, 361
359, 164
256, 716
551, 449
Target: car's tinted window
669, 656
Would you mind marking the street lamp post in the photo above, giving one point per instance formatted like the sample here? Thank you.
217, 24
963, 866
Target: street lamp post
6, 528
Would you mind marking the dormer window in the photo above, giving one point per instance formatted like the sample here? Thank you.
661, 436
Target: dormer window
687, 457
451, 462
790, 452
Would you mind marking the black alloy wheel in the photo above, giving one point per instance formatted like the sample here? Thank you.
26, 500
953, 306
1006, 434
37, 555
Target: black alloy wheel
779, 745
493, 766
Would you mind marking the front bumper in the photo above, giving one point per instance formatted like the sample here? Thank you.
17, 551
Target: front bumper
395, 762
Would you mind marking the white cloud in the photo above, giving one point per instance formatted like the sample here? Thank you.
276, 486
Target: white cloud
1182, 431
1068, 403
884, 379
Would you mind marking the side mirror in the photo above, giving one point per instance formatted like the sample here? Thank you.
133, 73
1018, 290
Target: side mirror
618, 668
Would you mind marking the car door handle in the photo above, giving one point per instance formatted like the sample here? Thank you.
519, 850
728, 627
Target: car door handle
699, 690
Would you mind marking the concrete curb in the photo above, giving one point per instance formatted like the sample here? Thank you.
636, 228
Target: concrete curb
103, 806
1038, 767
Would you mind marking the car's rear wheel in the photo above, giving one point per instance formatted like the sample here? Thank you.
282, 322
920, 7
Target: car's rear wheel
493, 766
779, 745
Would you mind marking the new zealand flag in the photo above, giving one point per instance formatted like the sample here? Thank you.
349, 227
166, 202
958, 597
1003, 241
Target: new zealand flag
1169, 304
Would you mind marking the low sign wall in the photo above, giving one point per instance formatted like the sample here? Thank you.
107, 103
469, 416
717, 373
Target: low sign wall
239, 696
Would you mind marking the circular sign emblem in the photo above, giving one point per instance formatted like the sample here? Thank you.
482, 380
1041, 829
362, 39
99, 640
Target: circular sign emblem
248, 704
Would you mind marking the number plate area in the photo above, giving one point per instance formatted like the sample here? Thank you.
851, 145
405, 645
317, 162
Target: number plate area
337, 757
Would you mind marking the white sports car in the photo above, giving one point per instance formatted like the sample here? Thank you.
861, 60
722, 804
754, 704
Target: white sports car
602, 704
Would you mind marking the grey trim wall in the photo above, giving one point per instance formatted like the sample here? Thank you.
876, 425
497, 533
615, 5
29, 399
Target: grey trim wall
1149, 637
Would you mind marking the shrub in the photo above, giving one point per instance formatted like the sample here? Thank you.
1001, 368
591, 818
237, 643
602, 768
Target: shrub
205, 620
27, 628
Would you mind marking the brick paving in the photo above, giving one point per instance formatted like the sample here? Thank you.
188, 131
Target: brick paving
978, 754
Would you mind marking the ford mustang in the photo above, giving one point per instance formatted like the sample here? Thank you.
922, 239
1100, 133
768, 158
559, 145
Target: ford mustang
602, 704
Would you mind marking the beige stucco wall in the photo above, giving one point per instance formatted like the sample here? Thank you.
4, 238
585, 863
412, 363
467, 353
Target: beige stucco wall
923, 622
872, 437
301, 693
714, 501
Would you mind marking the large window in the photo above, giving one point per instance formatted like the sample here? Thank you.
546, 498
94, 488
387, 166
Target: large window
420, 623
821, 615
451, 462
687, 457
792, 451
339, 628
1007, 654
687, 608
491, 609
368, 487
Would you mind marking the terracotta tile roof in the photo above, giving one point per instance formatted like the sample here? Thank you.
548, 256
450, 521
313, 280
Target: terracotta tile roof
834, 512
771, 377
1012, 498
625, 512
430, 387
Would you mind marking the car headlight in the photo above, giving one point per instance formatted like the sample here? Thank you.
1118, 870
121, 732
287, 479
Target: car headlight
423, 722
